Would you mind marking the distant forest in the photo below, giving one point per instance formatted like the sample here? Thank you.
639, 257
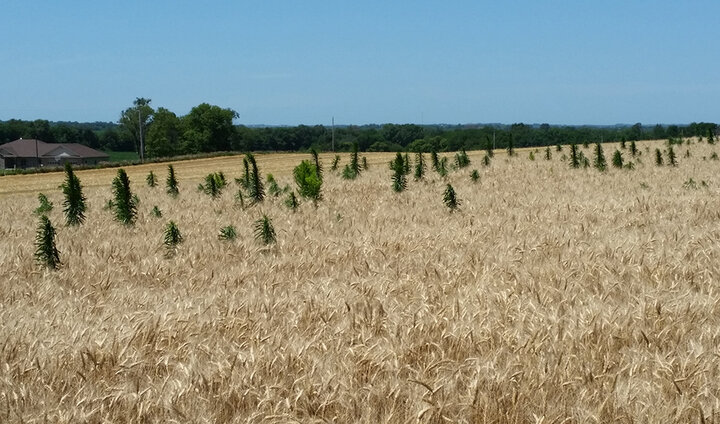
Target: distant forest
209, 128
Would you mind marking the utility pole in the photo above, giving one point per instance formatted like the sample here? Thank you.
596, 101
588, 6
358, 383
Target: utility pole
333, 133
142, 145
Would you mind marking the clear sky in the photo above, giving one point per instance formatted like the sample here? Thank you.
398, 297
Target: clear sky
302, 62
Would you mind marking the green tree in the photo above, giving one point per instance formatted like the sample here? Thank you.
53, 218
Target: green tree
135, 121
164, 135
124, 204
208, 128
74, 203
658, 157
45, 249
45, 205
633, 148
617, 159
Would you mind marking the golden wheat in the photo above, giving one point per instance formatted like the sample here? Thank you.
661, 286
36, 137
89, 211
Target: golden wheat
554, 295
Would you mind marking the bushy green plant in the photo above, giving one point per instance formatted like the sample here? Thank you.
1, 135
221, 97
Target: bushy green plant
156, 212
406, 164
462, 159
150, 179
214, 184
450, 198
317, 163
291, 201
600, 162
633, 148
46, 251
256, 190
574, 156
264, 230
558, 147
273, 187
486, 160
442, 168
511, 146
124, 205
672, 158
308, 183
435, 160
617, 159
419, 166
352, 170
548, 153
399, 181
335, 163
475, 175
531, 156
227, 233
45, 205
658, 157
172, 236
74, 203
171, 183
365, 163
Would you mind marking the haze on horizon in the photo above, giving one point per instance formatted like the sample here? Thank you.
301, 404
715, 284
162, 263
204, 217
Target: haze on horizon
283, 63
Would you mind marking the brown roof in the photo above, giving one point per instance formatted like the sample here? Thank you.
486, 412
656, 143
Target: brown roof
30, 148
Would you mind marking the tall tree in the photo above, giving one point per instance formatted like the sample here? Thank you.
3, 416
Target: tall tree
163, 137
136, 120
208, 128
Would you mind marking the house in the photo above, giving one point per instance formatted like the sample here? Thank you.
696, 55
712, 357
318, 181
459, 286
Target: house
31, 153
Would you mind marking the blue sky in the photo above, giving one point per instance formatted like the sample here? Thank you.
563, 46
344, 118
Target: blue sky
302, 62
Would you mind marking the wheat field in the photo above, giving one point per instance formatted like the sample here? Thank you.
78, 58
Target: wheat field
553, 295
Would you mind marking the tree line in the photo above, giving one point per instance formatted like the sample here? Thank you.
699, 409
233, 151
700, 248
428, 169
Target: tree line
209, 128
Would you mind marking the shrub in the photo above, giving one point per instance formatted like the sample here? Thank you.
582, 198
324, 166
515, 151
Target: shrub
558, 147
548, 153
531, 156
307, 180
214, 183
450, 198
486, 160
335, 163
442, 167
45, 205
171, 184
406, 164
46, 251
364, 163
264, 231
124, 204
475, 175
156, 212
435, 160
617, 159
227, 233
151, 180
74, 204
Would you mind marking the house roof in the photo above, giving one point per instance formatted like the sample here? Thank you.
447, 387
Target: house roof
30, 148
